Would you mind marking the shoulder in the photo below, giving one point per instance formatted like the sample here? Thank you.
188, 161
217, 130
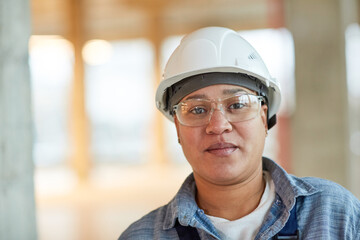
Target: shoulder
159, 224
331, 193
145, 227
329, 189
332, 205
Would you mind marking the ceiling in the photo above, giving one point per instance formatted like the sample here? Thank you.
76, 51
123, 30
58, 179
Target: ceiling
155, 19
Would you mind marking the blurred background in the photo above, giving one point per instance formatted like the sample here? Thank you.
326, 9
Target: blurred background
84, 152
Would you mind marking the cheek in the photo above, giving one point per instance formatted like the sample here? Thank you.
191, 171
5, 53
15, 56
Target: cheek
252, 133
190, 140
258, 137
188, 135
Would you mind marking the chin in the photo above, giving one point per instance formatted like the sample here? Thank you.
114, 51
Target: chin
224, 180
225, 175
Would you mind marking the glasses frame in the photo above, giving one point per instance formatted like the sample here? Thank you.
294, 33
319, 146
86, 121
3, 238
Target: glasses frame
219, 103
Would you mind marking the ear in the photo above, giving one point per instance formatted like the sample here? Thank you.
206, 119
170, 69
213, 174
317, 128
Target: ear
263, 115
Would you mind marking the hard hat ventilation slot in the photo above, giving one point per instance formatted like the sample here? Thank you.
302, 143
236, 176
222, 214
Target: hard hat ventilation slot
252, 56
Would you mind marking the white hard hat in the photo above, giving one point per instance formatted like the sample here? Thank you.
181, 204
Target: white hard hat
219, 51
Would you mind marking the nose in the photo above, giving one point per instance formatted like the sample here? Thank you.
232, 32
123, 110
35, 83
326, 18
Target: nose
218, 123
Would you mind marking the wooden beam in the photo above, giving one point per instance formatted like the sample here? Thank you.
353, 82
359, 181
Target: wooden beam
79, 132
276, 13
156, 36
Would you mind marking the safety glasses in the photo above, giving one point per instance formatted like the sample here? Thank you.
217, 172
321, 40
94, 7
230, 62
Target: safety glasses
198, 112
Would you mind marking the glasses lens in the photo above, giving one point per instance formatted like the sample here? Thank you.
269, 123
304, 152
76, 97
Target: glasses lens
194, 112
241, 108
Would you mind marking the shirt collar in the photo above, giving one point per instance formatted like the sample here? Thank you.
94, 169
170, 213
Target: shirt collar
183, 207
287, 186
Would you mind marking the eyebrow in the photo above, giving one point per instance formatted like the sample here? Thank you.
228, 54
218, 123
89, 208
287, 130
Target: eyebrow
196, 96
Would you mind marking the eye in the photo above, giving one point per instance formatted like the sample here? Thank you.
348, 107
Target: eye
237, 105
198, 110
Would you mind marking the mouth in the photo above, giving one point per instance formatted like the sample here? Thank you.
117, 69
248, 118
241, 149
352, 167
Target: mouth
221, 149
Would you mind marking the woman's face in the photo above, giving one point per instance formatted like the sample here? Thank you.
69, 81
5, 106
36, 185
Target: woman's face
222, 152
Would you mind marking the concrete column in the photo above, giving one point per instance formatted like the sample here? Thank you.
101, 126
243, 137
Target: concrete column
320, 134
351, 13
17, 206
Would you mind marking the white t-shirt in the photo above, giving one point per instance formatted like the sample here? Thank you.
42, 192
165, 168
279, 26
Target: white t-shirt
248, 226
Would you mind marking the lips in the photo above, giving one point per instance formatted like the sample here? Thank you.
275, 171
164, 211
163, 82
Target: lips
221, 149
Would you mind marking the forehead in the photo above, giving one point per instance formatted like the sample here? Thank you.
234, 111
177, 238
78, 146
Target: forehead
217, 91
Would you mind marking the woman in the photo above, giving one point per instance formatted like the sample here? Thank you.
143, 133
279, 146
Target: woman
219, 93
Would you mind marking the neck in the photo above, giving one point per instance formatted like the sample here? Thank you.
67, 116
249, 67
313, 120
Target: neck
233, 201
